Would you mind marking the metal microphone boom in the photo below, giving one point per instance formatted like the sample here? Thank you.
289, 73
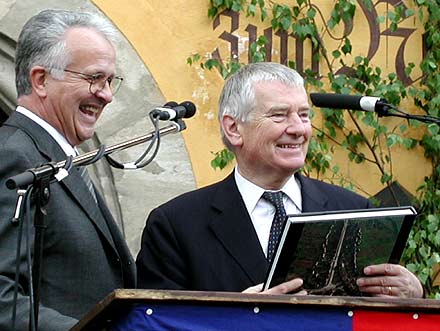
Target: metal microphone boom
26, 178
84, 158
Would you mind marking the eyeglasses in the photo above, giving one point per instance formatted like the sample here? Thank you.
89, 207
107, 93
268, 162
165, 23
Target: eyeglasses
98, 81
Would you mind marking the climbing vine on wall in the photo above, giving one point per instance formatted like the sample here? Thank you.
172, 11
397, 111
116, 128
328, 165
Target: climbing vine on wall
333, 68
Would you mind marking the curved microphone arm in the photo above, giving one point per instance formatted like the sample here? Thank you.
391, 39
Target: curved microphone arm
383, 108
26, 178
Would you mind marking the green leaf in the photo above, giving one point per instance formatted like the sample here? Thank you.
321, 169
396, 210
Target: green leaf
385, 178
286, 22
425, 252
311, 13
251, 10
336, 54
212, 12
346, 49
222, 159
409, 12
236, 7
432, 64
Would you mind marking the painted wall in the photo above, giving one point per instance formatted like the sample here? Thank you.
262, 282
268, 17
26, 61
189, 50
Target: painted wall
165, 33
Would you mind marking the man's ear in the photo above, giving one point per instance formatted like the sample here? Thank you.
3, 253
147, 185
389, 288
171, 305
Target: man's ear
231, 129
38, 78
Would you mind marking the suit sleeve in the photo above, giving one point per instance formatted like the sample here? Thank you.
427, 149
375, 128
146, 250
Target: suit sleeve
14, 162
160, 262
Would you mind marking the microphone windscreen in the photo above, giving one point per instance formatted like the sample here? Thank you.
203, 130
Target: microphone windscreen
170, 104
336, 101
190, 108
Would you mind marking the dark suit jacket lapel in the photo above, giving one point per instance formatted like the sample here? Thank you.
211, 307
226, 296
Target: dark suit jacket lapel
74, 183
129, 267
233, 227
313, 200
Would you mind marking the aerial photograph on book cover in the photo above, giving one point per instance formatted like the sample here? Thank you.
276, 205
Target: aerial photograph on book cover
330, 255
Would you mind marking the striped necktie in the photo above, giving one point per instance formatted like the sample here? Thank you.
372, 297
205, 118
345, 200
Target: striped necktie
276, 199
86, 177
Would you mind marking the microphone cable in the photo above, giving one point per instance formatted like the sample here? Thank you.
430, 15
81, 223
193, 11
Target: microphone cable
140, 162
97, 156
32, 317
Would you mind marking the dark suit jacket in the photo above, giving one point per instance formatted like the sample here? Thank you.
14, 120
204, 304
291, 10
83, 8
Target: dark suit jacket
85, 256
204, 240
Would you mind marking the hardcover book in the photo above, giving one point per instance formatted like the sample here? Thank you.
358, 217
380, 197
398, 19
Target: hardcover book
329, 250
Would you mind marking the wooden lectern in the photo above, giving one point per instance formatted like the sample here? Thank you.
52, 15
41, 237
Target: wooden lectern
160, 310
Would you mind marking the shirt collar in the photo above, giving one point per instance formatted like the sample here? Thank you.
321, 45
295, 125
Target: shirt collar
252, 193
59, 138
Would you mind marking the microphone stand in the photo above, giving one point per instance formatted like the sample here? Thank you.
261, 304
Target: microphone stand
29, 176
382, 108
40, 179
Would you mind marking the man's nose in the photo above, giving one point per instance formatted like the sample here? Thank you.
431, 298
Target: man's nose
295, 124
105, 93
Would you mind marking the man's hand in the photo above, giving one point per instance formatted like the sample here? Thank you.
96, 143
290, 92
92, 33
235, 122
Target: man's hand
390, 280
290, 286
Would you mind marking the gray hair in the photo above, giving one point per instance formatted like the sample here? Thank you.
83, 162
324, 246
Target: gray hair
237, 98
42, 42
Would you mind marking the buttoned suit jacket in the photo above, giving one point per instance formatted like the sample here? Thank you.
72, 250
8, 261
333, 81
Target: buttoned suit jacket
205, 240
84, 255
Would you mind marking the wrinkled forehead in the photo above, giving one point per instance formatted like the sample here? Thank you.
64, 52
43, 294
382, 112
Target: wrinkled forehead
89, 48
81, 38
278, 91
275, 95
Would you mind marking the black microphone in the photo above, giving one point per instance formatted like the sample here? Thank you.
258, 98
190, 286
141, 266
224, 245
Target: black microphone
171, 104
344, 101
172, 111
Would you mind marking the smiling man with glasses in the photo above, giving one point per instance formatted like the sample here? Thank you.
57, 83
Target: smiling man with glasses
69, 104
65, 76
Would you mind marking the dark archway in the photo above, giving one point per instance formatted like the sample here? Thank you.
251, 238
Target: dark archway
7, 86
3, 116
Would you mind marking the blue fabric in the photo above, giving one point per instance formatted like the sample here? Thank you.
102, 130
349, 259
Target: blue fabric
180, 317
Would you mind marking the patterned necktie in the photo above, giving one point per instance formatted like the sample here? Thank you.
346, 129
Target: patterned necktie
86, 177
276, 199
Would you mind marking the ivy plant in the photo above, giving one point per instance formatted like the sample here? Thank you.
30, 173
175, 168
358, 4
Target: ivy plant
367, 139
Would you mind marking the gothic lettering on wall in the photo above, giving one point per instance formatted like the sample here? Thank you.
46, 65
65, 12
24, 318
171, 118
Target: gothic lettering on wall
287, 47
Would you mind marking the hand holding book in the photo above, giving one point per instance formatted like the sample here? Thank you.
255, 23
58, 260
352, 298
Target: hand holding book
386, 280
331, 251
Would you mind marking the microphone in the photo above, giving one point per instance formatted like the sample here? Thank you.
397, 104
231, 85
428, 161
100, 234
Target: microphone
173, 111
344, 101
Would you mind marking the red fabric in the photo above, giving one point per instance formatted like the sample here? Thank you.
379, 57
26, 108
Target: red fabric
395, 321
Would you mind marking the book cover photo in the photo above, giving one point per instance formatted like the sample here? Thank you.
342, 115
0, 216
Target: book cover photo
329, 251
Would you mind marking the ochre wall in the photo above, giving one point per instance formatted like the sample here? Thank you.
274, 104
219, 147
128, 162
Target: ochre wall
165, 33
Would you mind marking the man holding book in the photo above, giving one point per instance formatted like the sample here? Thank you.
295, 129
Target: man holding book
222, 237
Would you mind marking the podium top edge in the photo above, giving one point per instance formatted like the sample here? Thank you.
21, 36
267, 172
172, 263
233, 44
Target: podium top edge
202, 296
121, 299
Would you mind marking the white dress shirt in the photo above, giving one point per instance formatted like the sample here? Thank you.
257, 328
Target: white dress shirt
262, 211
